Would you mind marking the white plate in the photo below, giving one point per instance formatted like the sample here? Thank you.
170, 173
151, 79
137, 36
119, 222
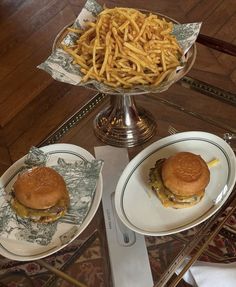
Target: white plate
140, 209
22, 250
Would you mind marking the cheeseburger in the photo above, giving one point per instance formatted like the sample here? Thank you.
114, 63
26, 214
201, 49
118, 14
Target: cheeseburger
180, 180
40, 194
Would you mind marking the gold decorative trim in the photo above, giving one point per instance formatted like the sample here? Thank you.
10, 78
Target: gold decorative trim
73, 120
209, 90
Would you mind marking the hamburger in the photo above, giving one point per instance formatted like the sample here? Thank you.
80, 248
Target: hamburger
40, 194
180, 180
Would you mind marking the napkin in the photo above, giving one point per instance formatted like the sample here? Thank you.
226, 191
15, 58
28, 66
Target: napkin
127, 250
208, 274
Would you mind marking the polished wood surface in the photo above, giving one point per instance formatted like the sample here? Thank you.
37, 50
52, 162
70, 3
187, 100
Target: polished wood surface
32, 104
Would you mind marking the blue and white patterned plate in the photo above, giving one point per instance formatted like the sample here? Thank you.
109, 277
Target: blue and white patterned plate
22, 239
140, 209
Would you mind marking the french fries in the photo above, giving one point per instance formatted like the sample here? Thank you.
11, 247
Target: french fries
125, 47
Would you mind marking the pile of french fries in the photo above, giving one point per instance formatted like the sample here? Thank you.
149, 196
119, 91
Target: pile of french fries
125, 48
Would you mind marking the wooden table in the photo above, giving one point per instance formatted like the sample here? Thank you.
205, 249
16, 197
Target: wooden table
189, 105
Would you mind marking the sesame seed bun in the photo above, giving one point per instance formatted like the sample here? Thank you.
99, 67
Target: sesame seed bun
185, 174
40, 194
40, 188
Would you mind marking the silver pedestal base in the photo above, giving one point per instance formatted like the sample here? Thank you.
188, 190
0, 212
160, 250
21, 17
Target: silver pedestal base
123, 124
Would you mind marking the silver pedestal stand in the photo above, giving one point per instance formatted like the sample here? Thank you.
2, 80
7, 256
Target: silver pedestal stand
123, 123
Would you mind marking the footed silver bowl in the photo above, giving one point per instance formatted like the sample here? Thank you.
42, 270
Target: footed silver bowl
123, 123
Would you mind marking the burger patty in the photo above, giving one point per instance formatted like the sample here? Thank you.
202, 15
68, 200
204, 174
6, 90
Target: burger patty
37, 214
165, 195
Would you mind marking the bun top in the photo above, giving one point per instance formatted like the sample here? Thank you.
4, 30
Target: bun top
185, 174
40, 188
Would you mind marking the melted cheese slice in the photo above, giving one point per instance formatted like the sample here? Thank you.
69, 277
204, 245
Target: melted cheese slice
25, 212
